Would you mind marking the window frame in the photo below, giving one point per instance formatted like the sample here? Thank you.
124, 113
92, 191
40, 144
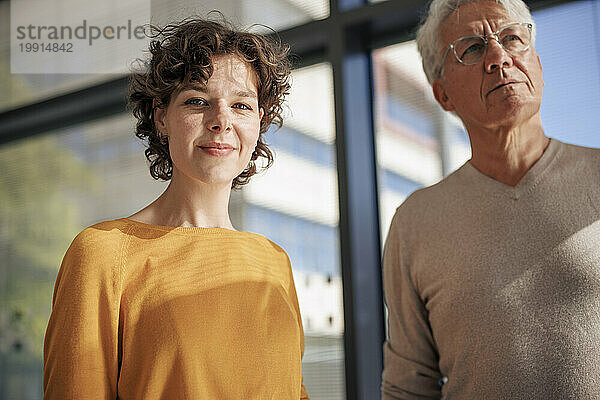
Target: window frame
345, 39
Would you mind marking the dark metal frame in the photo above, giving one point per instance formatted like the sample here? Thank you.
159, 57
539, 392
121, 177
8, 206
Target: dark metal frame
345, 39
359, 215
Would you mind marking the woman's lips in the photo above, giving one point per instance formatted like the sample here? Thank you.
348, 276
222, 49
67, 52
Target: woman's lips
217, 149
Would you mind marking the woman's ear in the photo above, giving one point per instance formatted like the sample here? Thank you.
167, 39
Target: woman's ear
261, 113
159, 118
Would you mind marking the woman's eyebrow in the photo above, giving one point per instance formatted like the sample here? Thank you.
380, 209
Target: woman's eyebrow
245, 93
194, 86
202, 88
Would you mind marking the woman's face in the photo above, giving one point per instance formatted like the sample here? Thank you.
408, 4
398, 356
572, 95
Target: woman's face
213, 127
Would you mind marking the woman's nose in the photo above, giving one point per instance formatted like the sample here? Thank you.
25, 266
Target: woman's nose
218, 120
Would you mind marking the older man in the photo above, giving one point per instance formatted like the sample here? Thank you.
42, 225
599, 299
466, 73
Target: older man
492, 276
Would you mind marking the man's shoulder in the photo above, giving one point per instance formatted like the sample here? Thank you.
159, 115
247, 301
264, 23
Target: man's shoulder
580, 160
438, 193
433, 201
573, 149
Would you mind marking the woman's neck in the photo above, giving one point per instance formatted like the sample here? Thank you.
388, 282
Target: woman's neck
189, 203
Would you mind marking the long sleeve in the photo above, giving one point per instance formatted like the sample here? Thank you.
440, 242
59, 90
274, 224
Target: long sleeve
294, 297
410, 356
81, 344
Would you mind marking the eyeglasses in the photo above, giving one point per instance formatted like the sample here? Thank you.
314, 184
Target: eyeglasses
469, 50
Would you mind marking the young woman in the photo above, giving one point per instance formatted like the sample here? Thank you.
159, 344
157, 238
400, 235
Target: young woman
173, 302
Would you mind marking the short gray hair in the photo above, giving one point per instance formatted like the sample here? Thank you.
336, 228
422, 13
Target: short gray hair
428, 35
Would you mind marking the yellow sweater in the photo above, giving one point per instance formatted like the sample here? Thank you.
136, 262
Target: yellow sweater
151, 312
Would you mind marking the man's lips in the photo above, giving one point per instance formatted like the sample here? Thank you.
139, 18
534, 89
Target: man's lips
501, 85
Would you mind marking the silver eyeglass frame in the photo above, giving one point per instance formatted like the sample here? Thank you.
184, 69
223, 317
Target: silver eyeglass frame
493, 35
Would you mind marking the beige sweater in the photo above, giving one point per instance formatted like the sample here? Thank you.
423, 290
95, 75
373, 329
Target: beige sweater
494, 289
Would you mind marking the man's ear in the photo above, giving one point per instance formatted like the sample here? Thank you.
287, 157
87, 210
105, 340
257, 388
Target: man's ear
439, 92
159, 118
541, 69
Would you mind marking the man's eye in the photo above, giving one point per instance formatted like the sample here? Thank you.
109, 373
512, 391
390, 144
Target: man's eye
196, 102
474, 48
511, 38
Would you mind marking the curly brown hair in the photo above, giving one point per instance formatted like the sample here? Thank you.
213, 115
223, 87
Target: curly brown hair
182, 53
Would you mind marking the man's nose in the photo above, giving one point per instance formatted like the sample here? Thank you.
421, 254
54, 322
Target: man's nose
496, 56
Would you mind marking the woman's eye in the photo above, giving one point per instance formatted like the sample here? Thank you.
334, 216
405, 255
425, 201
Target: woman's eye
196, 102
242, 106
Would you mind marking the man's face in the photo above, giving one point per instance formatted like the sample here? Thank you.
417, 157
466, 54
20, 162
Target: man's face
501, 90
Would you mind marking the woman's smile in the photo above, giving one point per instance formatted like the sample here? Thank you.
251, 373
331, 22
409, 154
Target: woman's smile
217, 149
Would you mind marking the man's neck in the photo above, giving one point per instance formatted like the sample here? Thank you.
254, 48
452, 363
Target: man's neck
507, 154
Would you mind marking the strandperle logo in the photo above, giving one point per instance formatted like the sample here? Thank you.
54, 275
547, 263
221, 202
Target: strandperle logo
81, 32
77, 36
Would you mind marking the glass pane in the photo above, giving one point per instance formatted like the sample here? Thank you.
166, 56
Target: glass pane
19, 89
51, 187
571, 71
276, 14
295, 204
417, 143
54, 185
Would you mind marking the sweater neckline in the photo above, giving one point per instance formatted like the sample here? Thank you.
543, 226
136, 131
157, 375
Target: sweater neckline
529, 181
184, 229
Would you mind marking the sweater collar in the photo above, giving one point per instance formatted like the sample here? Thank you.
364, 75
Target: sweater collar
526, 184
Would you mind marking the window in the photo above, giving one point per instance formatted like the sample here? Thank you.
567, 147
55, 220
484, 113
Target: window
57, 182
294, 203
418, 143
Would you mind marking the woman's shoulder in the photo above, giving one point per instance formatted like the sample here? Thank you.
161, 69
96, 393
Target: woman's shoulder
101, 237
105, 230
266, 244
96, 251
